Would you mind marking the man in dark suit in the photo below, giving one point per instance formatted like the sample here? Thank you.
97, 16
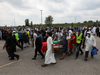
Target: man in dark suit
38, 44
97, 31
11, 46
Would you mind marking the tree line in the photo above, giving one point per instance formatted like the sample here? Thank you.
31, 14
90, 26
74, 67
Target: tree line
49, 20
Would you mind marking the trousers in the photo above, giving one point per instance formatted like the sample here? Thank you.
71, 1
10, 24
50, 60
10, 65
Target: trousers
79, 49
38, 50
86, 54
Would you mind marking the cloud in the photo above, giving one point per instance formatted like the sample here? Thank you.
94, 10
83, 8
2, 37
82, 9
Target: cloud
61, 10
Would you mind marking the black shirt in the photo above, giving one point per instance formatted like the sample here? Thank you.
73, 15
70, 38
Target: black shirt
10, 41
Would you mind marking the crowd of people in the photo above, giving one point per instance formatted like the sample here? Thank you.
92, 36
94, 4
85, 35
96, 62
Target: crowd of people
72, 38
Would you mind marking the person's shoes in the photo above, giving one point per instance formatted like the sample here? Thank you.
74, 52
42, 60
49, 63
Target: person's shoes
27, 46
17, 57
54, 63
76, 57
42, 58
44, 65
85, 59
11, 59
9, 56
82, 47
81, 53
69, 54
91, 56
22, 48
61, 58
33, 58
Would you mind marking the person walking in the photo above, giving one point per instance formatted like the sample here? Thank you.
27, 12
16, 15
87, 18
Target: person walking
17, 38
97, 31
65, 42
89, 44
25, 39
0, 34
10, 47
49, 57
84, 34
79, 38
73, 39
38, 45
21, 39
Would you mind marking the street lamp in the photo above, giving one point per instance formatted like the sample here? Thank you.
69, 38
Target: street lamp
75, 20
41, 17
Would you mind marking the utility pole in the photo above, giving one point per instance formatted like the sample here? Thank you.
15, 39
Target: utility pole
41, 17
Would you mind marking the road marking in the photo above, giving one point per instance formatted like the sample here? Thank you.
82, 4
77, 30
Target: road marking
2, 51
10, 63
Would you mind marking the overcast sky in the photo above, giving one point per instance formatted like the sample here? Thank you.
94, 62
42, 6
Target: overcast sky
61, 10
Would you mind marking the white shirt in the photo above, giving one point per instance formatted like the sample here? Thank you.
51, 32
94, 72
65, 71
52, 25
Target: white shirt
90, 42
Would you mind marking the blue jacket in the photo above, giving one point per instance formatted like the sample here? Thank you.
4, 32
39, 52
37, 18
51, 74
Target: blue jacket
41, 37
20, 35
64, 41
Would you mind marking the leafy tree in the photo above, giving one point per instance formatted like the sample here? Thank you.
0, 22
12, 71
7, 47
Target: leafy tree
49, 20
94, 24
31, 24
97, 21
85, 22
90, 21
72, 24
26, 22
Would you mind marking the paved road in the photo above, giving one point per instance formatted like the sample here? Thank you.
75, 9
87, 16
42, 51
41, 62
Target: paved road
68, 66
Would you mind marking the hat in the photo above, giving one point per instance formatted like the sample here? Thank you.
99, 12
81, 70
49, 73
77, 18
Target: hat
79, 30
14, 31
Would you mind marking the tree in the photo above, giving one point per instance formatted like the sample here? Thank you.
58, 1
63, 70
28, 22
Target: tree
72, 24
96, 21
85, 22
26, 22
49, 20
94, 24
31, 24
90, 21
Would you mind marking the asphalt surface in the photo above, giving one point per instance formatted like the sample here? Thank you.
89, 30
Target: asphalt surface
69, 66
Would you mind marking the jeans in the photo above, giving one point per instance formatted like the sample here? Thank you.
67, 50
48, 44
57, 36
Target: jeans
78, 49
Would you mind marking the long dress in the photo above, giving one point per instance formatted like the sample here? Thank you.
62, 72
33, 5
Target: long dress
34, 38
49, 57
94, 30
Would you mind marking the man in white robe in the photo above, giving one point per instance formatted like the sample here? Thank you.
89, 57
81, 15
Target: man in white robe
90, 43
49, 57
94, 30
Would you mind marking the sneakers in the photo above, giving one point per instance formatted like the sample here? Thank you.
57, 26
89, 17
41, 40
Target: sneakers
33, 58
81, 53
17, 57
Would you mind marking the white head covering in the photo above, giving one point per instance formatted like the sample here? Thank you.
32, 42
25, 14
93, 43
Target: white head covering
89, 32
14, 31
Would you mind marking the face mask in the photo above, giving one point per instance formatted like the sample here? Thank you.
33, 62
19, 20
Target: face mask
88, 35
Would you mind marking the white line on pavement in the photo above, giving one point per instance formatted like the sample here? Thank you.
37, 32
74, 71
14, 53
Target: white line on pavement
10, 63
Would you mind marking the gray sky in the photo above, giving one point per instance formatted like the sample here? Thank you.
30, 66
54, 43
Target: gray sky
61, 10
